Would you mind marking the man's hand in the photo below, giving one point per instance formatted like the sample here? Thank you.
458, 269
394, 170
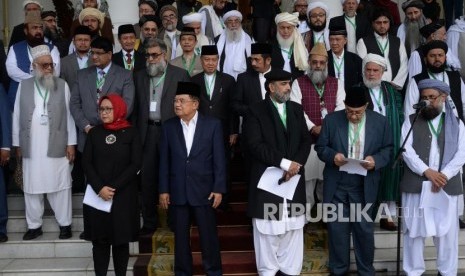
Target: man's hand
293, 169
371, 163
70, 153
106, 193
216, 199
18, 153
233, 139
438, 179
339, 159
87, 129
4, 157
315, 130
164, 200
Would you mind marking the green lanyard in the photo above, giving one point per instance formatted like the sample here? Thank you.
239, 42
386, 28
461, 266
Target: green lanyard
320, 91
42, 96
354, 137
382, 48
434, 77
154, 86
198, 51
438, 130
338, 66
315, 41
128, 67
191, 66
353, 23
289, 53
100, 82
377, 100
283, 116
210, 85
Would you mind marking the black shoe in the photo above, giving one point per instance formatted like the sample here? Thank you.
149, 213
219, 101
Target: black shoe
146, 231
387, 225
82, 236
32, 234
3, 238
65, 232
461, 224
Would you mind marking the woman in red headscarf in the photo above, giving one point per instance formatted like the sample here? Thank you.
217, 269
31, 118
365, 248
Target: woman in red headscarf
111, 161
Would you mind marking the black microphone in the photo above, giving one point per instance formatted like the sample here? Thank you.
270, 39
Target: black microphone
421, 104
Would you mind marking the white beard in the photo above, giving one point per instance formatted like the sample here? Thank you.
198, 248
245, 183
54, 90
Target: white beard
284, 43
371, 83
46, 81
156, 69
319, 76
234, 36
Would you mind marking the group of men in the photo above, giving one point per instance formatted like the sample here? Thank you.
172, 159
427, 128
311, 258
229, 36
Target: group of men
323, 92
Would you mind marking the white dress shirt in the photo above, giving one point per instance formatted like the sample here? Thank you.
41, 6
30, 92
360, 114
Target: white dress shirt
261, 77
377, 95
339, 60
188, 129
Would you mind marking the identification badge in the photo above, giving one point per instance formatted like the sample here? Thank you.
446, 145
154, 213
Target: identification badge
324, 112
44, 119
153, 106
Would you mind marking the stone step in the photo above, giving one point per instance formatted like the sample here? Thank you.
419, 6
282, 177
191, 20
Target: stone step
49, 246
16, 202
55, 267
17, 221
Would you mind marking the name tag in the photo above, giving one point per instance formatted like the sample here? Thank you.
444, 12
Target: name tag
43, 119
153, 106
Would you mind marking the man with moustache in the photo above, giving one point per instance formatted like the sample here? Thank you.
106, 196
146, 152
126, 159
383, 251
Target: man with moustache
18, 34
99, 24
434, 158
212, 21
317, 13
146, 7
233, 45
189, 60
169, 34
300, 6
45, 136
276, 135
19, 61
53, 34
289, 52
148, 29
319, 95
387, 101
409, 31
435, 59
382, 43
128, 58
156, 88
194, 21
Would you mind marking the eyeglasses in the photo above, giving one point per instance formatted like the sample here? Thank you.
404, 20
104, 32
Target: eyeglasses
318, 15
430, 98
168, 17
47, 65
182, 101
105, 110
153, 55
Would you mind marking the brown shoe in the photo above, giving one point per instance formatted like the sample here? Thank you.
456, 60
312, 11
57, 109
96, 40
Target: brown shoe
387, 225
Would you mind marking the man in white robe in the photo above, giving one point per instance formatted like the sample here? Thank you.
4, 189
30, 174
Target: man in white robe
45, 136
432, 184
409, 30
456, 41
212, 22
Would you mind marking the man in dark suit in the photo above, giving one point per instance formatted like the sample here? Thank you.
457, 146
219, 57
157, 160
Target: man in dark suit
18, 31
360, 134
192, 150
277, 136
156, 88
343, 65
128, 57
4, 78
5, 145
216, 90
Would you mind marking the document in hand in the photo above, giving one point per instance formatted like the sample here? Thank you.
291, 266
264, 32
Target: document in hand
269, 183
93, 200
354, 166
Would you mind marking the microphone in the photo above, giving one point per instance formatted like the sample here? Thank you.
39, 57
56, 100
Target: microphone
422, 104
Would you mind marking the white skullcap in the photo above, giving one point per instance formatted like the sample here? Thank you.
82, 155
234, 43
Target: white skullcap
192, 17
92, 12
295, 1
41, 50
376, 59
27, 2
320, 5
98, 2
232, 13
343, 1
291, 18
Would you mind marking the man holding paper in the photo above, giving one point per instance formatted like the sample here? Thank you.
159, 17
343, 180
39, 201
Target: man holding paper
363, 135
434, 158
277, 136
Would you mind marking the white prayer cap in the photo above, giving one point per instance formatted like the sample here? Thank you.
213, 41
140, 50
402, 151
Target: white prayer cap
320, 5
192, 17
232, 13
38, 51
27, 2
375, 59
291, 18
343, 1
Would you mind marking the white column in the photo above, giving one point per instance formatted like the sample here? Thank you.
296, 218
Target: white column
122, 12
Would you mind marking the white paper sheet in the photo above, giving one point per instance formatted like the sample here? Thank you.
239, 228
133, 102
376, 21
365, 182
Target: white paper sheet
269, 183
428, 199
354, 166
93, 200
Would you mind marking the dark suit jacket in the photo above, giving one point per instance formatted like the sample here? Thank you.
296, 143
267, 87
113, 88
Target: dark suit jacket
334, 139
139, 62
352, 69
248, 92
361, 21
17, 35
69, 68
268, 143
277, 60
189, 179
5, 121
4, 78
220, 104
140, 115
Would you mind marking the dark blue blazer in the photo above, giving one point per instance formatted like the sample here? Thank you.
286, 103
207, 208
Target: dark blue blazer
189, 179
5, 120
334, 139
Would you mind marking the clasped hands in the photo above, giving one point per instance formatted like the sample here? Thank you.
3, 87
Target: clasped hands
339, 160
294, 169
438, 179
107, 193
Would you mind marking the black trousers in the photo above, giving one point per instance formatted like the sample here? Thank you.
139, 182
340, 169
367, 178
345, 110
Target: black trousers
101, 256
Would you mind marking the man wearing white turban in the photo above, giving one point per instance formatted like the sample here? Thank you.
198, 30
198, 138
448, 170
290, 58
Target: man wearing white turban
289, 52
212, 23
194, 20
318, 14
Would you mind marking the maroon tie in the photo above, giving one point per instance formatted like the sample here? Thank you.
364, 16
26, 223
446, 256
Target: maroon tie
129, 61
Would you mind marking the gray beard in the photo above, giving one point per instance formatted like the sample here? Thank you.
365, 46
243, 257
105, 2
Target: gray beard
282, 97
234, 36
46, 81
156, 69
318, 76
413, 38
371, 83
284, 43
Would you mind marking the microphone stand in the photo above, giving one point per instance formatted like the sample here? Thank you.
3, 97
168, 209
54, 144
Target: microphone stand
398, 158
